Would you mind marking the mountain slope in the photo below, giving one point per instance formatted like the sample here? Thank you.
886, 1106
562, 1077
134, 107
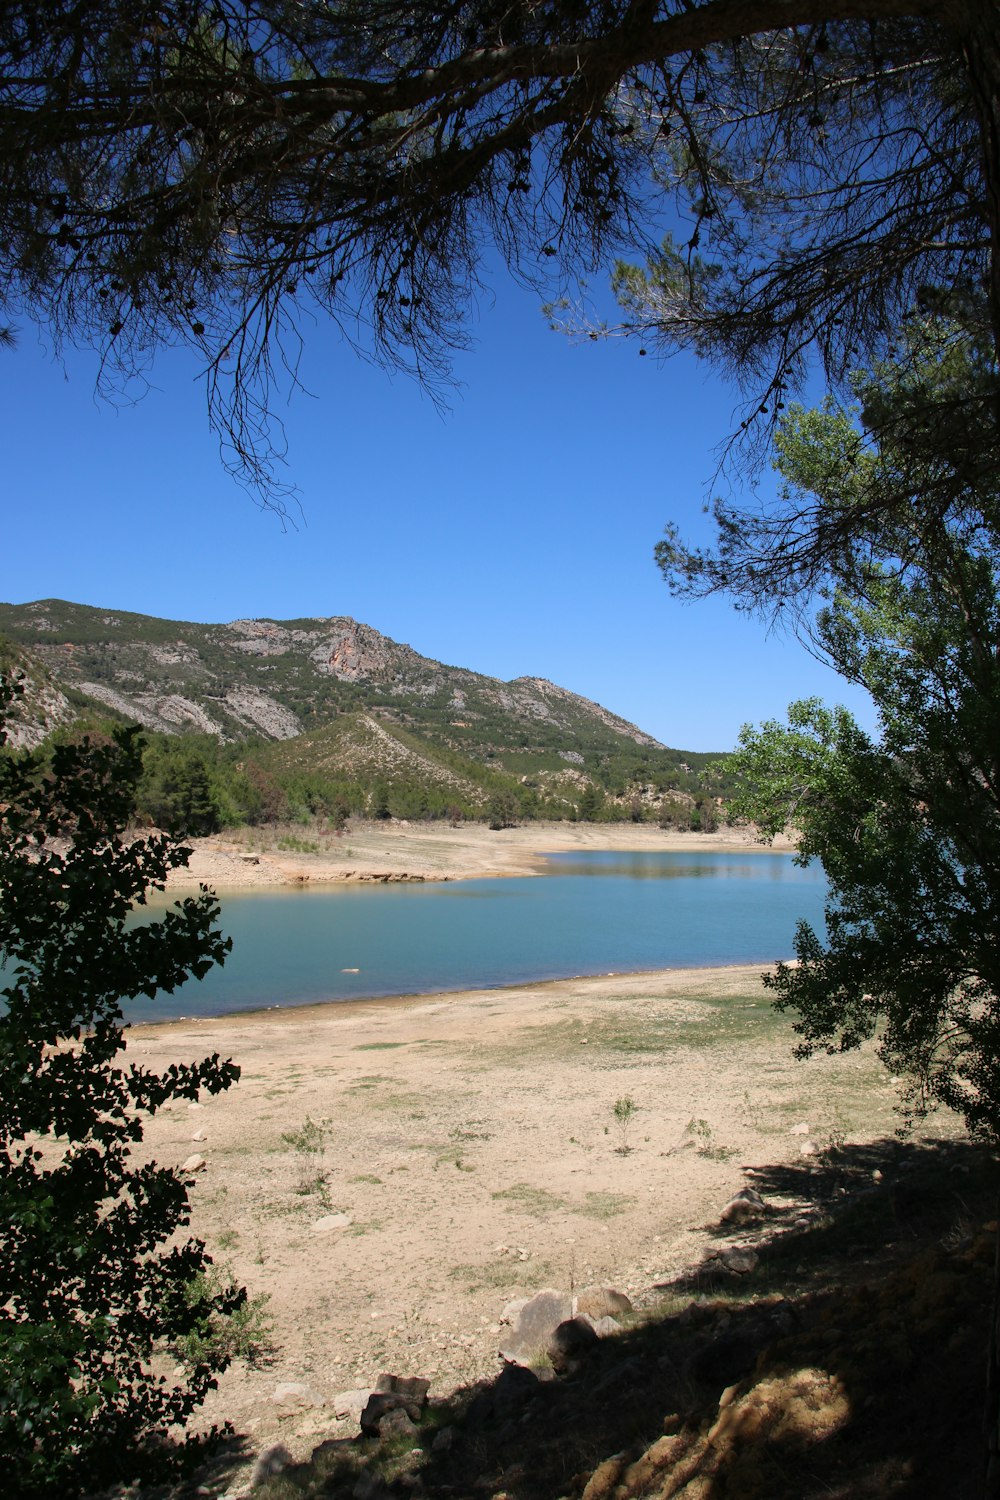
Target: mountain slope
292, 681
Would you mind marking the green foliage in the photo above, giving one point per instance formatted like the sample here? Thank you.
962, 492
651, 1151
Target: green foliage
230, 1325
624, 1110
503, 810
590, 804
94, 1282
907, 826
374, 747
177, 790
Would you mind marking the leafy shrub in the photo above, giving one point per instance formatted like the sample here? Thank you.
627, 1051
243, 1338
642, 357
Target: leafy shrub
94, 1284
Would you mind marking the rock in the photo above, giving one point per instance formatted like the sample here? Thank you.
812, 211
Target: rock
739, 1259
602, 1483
396, 1423
194, 1163
394, 1393
200, 1135
604, 1327
731, 1355
513, 1310
294, 1395
743, 1208
350, 1403
534, 1325
640, 1477
802, 1128
270, 1461
601, 1302
570, 1342
444, 1440
807, 1148
332, 1221
512, 1387
410, 1388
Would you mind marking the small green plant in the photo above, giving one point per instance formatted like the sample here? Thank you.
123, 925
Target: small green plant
700, 1131
309, 1143
227, 1239
624, 1110
244, 1333
295, 845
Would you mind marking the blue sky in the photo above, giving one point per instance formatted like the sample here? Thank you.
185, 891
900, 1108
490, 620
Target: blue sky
512, 534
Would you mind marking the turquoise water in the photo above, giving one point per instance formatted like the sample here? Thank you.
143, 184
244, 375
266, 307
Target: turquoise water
595, 913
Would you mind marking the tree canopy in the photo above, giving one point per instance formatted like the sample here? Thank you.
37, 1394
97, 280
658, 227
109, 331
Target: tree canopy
208, 172
96, 1285
907, 826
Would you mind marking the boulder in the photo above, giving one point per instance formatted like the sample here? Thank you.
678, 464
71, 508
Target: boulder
350, 1403
194, 1163
407, 1394
534, 1324
270, 1461
570, 1343
744, 1208
396, 1423
295, 1395
330, 1222
411, 1389
604, 1327
601, 1302
739, 1259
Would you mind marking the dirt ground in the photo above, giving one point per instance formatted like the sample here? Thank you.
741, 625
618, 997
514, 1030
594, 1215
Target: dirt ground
425, 851
470, 1143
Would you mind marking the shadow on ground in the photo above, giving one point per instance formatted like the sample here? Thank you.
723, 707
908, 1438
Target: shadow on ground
848, 1364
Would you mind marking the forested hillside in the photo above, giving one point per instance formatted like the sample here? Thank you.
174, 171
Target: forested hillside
266, 720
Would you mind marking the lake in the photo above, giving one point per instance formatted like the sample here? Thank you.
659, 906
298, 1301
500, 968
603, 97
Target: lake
592, 914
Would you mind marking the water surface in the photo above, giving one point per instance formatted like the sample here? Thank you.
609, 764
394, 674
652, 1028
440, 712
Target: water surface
594, 913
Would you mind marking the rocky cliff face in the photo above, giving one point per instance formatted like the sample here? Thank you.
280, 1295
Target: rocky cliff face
273, 678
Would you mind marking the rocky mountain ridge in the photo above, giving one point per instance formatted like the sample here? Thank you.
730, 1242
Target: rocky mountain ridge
268, 678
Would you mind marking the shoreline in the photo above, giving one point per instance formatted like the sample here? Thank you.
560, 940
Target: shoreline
359, 1005
392, 1173
249, 858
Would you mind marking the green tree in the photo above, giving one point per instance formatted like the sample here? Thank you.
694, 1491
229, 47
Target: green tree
94, 1283
177, 790
907, 826
503, 810
591, 803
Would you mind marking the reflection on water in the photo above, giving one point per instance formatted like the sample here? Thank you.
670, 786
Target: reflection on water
682, 866
633, 912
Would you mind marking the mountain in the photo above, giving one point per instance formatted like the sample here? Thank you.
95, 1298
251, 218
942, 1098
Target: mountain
327, 693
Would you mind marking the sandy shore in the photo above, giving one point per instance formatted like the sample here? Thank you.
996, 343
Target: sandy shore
424, 851
470, 1145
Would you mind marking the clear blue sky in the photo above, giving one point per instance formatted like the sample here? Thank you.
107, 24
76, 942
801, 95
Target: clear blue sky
512, 535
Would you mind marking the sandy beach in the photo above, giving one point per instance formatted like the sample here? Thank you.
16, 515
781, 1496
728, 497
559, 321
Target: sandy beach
395, 850
470, 1155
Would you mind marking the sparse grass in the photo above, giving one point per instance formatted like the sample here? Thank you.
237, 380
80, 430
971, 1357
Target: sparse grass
502, 1274
377, 1046
366, 1177
524, 1198
467, 1133
601, 1205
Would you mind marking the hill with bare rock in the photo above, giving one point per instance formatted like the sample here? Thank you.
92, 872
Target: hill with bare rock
336, 697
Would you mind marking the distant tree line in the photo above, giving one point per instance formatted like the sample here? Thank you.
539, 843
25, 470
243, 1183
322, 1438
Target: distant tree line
196, 785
